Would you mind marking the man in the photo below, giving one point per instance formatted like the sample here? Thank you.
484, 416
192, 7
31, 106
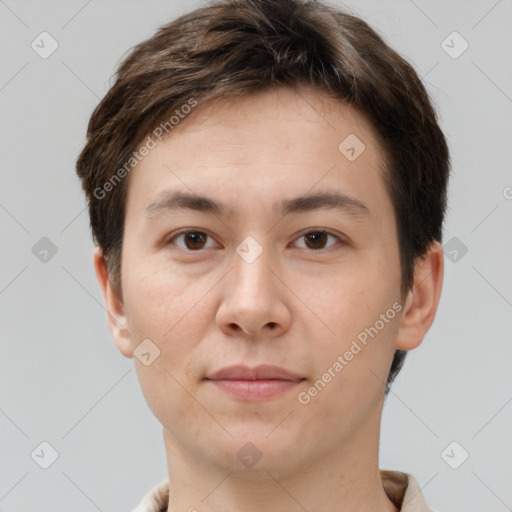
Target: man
267, 186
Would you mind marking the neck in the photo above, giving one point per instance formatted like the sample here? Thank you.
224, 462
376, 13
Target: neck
345, 479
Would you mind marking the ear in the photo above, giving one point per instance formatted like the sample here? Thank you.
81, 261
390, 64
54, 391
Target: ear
114, 306
421, 304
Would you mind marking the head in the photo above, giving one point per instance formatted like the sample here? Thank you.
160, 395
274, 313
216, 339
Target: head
252, 103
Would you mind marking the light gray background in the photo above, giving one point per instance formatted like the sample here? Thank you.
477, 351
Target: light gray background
63, 381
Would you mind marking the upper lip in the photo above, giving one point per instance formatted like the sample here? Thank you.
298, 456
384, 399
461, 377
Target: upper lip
262, 372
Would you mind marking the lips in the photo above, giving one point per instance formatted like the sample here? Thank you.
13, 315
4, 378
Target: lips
262, 372
254, 384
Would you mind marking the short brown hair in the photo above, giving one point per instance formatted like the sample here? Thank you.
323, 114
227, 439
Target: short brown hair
234, 47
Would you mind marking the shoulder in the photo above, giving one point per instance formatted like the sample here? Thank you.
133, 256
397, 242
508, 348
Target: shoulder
403, 490
156, 500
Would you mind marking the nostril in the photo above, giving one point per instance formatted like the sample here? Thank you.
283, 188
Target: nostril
271, 324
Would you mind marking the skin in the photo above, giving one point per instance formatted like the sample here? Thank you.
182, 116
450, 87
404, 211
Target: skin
299, 305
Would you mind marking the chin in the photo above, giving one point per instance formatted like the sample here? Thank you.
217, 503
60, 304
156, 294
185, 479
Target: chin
254, 454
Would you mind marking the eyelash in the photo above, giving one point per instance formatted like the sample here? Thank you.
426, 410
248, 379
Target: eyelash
328, 233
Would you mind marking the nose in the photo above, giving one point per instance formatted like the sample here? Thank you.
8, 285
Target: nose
254, 300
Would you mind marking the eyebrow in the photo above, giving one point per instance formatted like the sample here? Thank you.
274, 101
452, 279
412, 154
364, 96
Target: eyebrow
172, 201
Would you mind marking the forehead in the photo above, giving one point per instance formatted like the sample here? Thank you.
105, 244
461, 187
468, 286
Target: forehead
264, 146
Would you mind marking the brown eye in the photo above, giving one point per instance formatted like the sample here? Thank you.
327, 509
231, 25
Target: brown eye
195, 240
316, 240
192, 240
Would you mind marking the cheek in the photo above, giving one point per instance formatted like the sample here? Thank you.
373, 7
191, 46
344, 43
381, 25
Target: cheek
357, 313
175, 310
170, 398
158, 301
348, 300
169, 312
352, 370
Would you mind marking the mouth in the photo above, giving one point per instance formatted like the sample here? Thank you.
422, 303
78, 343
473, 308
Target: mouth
254, 384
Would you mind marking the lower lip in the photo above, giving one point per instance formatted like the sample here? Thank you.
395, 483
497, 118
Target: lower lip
254, 389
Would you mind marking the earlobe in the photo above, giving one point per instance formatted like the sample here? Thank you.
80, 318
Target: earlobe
422, 301
116, 317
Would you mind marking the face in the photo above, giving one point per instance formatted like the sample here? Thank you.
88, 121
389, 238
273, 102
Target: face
254, 275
